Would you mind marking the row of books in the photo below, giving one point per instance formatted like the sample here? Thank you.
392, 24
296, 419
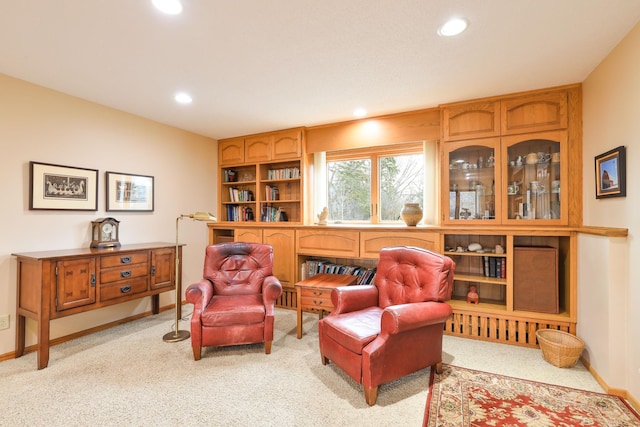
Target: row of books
237, 195
239, 213
272, 192
285, 173
495, 267
272, 214
312, 267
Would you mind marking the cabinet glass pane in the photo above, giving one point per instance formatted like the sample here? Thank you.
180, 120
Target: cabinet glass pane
533, 180
472, 183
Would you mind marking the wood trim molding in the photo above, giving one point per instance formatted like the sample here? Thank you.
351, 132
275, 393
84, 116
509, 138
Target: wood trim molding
604, 231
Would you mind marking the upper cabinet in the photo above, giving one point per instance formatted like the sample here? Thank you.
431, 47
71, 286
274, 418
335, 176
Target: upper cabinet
534, 113
513, 160
470, 120
261, 179
231, 151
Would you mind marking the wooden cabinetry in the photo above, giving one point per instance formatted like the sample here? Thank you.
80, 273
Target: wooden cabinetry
55, 284
282, 241
535, 143
231, 152
261, 178
500, 315
470, 120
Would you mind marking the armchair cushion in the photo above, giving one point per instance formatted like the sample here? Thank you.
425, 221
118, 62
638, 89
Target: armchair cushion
355, 331
234, 310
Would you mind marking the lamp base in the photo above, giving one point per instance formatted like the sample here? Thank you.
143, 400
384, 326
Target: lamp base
176, 336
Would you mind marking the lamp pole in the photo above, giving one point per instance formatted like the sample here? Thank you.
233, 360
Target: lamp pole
177, 335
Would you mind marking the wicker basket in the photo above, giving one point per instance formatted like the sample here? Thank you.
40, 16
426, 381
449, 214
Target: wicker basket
559, 348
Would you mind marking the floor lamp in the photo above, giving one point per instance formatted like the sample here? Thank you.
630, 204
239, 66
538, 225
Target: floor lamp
178, 335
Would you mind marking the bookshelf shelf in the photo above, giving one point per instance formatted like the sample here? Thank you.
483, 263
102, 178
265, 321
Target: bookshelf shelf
480, 279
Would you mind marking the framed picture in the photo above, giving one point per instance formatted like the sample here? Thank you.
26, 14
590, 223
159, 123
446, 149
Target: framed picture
57, 187
129, 192
611, 180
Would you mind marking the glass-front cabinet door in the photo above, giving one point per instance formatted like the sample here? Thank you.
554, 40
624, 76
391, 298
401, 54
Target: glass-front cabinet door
469, 189
534, 178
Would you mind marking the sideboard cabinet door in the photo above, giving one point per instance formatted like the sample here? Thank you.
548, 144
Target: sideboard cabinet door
76, 283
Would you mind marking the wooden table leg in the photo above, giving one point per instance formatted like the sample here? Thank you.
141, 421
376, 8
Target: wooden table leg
299, 309
43, 343
20, 334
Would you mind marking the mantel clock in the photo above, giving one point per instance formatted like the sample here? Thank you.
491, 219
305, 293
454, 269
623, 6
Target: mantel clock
105, 233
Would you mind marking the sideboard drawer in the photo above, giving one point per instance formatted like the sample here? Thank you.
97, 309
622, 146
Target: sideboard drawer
123, 259
124, 273
123, 288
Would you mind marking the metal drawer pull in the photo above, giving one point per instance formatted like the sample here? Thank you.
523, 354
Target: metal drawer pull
318, 293
125, 289
125, 259
125, 273
317, 302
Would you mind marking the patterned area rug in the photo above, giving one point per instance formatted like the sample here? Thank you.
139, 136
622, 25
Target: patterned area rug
463, 397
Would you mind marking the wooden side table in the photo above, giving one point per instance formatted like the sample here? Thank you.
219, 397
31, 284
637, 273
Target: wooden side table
314, 294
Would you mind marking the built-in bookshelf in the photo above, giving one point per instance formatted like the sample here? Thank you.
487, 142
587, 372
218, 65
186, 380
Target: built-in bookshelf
261, 178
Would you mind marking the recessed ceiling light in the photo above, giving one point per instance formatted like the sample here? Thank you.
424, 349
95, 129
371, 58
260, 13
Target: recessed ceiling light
453, 27
183, 98
170, 7
359, 112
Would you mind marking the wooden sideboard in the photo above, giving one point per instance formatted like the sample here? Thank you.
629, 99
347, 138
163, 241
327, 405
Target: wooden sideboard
55, 284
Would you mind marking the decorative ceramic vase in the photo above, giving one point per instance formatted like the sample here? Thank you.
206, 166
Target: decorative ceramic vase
411, 214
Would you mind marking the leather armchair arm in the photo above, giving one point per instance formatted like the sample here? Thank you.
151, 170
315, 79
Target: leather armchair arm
404, 317
351, 298
271, 291
199, 294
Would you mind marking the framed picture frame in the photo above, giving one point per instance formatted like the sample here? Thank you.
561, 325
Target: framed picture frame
611, 171
58, 187
128, 192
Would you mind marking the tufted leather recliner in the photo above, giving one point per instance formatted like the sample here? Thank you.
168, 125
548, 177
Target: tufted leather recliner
234, 302
378, 333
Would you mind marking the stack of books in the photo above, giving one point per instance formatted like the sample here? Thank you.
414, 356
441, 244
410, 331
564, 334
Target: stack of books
284, 173
312, 267
495, 267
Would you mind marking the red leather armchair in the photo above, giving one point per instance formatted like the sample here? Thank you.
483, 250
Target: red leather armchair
234, 302
378, 333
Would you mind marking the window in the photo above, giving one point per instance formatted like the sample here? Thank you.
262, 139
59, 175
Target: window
372, 185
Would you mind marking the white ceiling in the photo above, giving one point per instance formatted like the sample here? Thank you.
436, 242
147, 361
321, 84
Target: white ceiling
255, 65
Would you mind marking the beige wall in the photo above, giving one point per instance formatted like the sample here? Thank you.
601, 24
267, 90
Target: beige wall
609, 271
38, 124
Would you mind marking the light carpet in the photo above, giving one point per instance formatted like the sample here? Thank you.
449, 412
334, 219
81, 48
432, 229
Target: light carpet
463, 397
127, 376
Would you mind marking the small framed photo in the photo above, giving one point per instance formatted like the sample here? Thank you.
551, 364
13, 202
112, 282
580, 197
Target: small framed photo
58, 187
129, 192
611, 180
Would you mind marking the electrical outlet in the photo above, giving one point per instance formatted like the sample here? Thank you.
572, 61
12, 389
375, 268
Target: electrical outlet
4, 321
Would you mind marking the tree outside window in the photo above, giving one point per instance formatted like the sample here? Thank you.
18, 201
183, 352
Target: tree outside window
373, 186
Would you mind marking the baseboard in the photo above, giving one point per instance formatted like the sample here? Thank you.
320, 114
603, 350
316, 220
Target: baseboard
60, 340
610, 390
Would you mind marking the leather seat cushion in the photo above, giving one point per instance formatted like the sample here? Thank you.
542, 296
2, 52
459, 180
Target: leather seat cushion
234, 310
354, 330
